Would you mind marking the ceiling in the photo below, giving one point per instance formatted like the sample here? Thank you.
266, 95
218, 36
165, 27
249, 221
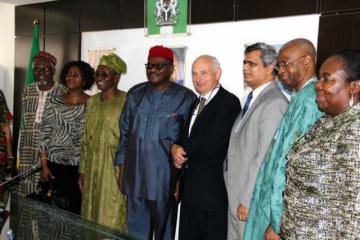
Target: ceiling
23, 2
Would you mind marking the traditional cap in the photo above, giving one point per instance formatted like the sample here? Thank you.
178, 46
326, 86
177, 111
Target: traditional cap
114, 62
42, 55
160, 51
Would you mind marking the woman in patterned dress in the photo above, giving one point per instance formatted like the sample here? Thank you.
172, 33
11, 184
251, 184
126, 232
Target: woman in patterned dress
60, 134
6, 154
322, 195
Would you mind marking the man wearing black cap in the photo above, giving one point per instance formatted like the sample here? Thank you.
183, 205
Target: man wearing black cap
151, 121
34, 99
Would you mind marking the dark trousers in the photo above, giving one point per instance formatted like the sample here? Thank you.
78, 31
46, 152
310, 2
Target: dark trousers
202, 225
145, 218
65, 183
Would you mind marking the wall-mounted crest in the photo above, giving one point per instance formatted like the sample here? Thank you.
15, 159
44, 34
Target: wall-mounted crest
166, 16
166, 12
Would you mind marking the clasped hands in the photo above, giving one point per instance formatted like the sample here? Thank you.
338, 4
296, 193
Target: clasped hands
179, 155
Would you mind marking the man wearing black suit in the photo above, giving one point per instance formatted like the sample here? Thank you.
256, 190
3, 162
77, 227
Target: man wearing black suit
200, 154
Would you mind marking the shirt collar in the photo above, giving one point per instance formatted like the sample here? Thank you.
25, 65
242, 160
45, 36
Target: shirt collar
258, 90
210, 95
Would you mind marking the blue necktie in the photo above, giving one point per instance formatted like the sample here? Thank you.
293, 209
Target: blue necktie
247, 103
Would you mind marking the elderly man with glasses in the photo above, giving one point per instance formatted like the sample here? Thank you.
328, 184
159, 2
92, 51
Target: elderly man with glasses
151, 121
34, 99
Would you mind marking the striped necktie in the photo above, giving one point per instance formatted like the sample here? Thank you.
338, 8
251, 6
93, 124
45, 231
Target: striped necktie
201, 105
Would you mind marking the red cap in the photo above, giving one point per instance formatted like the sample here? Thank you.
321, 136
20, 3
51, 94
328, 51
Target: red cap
160, 51
42, 55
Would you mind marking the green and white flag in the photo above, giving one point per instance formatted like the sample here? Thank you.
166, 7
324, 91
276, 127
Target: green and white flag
166, 16
35, 48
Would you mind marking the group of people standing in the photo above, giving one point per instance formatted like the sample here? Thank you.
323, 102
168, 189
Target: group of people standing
270, 169
74, 137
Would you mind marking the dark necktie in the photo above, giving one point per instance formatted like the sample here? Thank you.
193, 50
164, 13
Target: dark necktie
201, 105
247, 103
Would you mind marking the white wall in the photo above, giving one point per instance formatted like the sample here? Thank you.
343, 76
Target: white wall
224, 40
7, 51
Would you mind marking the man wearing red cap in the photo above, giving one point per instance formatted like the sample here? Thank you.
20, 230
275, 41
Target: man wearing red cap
151, 121
35, 97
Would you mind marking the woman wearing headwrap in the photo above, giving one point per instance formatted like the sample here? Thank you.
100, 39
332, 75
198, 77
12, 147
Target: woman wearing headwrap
60, 134
322, 195
102, 201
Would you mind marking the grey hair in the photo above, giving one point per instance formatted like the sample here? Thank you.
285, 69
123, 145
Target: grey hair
268, 53
214, 62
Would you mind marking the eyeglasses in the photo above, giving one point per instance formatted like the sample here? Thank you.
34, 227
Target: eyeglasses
73, 74
287, 64
102, 75
157, 66
42, 69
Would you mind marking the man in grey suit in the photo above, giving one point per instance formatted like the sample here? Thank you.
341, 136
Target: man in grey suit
252, 133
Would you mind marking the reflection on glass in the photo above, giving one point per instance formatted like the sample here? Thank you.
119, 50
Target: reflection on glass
31, 219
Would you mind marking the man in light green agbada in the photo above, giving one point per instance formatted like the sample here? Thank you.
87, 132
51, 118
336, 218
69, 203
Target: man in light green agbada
102, 200
297, 70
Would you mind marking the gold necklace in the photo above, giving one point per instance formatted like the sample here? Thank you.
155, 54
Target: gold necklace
73, 100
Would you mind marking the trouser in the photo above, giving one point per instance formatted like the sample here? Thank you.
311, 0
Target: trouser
236, 227
146, 217
202, 225
68, 195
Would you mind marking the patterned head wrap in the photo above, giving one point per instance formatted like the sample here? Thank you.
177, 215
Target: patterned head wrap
45, 56
114, 62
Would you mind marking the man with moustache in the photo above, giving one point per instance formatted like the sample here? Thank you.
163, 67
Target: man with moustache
34, 99
252, 133
296, 62
151, 121
201, 152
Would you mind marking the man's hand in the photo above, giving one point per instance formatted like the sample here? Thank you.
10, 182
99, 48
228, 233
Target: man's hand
46, 174
81, 182
270, 234
178, 155
242, 212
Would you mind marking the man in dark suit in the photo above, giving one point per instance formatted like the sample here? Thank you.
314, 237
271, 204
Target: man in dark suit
201, 152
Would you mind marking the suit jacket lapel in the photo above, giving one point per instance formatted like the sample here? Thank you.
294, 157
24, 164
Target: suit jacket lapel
253, 106
208, 108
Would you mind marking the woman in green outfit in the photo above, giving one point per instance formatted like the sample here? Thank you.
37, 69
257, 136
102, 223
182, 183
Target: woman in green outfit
102, 200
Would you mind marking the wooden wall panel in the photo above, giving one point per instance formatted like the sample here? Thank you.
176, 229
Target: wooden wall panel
204, 11
62, 17
95, 15
264, 9
24, 18
132, 12
338, 5
338, 32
